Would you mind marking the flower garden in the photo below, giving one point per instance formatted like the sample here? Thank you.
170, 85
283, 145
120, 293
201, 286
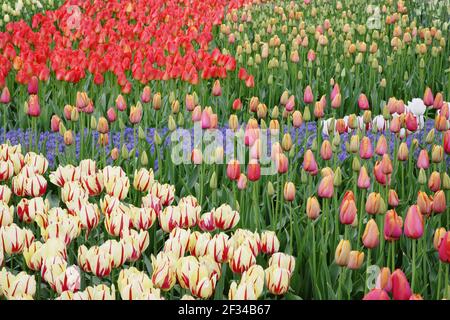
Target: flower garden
224, 149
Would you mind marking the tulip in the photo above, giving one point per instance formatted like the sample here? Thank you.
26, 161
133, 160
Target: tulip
269, 242
400, 286
233, 170
282, 260
143, 179
376, 294
428, 98
439, 202
423, 161
7, 214
336, 101
5, 194
102, 125
312, 208
434, 182
13, 239
444, 248
242, 259
5, 96
363, 178
121, 104
384, 281
33, 86
371, 235
326, 187
411, 122
282, 163
55, 122
146, 94
355, 260
373, 203
365, 148
342, 253
438, 236
225, 217
289, 191
382, 146
403, 152
446, 142
219, 247
309, 163
414, 223
308, 96
157, 101
392, 226
135, 114
363, 103
242, 181
253, 170
216, 89
424, 203
326, 151
33, 110
68, 138
290, 105
277, 280
347, 209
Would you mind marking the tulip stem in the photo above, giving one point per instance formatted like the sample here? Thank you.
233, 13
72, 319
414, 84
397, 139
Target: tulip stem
4, 123
369, 252
438, 293
413, 264
290, 229
393, 255
447, 291
341, 276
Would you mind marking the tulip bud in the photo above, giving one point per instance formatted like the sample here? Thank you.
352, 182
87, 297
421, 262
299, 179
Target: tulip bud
422, 177
213, 181
337, 180
307, 114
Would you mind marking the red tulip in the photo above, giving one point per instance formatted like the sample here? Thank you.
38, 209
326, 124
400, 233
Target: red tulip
253, 170
444, 248
400, 286
447, 142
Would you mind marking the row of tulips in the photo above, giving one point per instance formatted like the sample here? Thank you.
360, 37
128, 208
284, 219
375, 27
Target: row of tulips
424, 213
276, 43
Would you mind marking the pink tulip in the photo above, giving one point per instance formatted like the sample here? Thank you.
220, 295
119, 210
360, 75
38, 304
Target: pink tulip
413, 223
308, 96
376, 294
33, 85
5, 98
363, 103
